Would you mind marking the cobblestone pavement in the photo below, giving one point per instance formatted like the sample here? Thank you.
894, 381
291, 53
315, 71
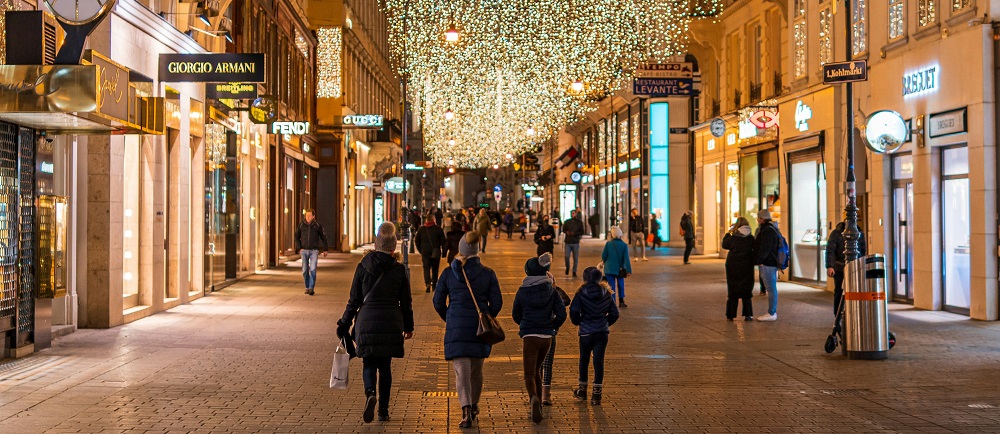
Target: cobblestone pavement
256, 356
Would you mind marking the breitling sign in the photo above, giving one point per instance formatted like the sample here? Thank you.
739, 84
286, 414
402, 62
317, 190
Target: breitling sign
212, 68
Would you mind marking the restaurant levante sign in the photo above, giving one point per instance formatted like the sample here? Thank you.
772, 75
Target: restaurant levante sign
212, 68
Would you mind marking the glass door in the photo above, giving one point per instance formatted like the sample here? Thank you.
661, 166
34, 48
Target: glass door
807, 237
956, 228
902, 224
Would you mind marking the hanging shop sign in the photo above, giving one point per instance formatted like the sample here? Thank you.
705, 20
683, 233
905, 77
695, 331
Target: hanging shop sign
412, 166
395, 185
363, 121
657, 87
575, 176
747, 130
764, 119
845, 72
634, 163
290, 128
948, 123
231, 91
379, 211
884, 131
718, 127
802, 115
665, 70
920, 82
263, 110
212, 68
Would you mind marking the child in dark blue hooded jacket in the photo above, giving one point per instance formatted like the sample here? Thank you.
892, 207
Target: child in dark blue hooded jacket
593, 309
539, 311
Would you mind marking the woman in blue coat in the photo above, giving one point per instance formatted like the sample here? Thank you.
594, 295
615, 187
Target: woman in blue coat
453, 303
617, 266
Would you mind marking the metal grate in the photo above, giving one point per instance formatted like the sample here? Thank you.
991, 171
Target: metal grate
26, 242
8, 225
438, 394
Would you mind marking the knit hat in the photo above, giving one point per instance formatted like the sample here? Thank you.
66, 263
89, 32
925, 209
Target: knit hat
469, 245
538, 266
592, 275
385, 241
764, 214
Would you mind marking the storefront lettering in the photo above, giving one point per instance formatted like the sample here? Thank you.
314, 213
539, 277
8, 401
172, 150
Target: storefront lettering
924, 80
634, 163
622, 167
297, 128
802, 115
747, 130
47, 167
109, 86
364, 121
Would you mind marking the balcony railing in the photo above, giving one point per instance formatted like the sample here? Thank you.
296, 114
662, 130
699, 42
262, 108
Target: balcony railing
716, 107
756, 90
776, 84
737, 98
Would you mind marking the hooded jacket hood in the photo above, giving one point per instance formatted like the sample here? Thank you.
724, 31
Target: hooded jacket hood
375, 261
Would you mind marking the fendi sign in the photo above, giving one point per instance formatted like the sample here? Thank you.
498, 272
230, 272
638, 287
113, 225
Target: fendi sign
212, 68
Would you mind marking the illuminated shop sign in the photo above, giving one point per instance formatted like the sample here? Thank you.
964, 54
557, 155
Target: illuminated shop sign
623, 166
634, 163
47, 167
710, 145
231, 91
212, 68
921, 81
731, 139
363, 121
296, 128
764, 118
802, 115
747, 130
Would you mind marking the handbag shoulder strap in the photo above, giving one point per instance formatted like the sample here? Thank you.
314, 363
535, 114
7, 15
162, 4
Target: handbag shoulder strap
473, 294
370, 290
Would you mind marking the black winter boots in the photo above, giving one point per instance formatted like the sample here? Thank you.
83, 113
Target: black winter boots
369, 414
466, 417
595, 398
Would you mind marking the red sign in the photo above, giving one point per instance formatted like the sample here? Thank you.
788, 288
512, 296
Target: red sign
764, 119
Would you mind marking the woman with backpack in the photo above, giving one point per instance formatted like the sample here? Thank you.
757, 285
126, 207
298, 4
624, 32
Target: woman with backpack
739, 268
616, 264
593, 309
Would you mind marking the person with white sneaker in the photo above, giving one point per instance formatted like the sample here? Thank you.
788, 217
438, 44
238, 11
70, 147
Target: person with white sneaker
766, 246
637, 234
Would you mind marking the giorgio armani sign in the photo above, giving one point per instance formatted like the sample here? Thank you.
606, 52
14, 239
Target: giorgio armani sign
212, 68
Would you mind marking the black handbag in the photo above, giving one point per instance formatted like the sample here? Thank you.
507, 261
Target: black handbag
489, 330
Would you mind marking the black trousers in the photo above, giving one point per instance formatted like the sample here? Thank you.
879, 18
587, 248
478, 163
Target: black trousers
593, 231
510, 231
595, 344
688, 247
378, 370
733, 302
431, 266
838, 289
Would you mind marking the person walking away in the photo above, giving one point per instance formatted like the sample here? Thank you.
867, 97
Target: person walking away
616, 264
461, 218
687, 229
310, 240
446, 223
508, 222
760, 278
544, 237
594, 221
593, 310
454, 304
739, 269
451, 241
539, 311
522, 225
496, 219
414, 220
836, 260
551, 355
439, 217
381, 311
654, 229
483, 226
637, 231
573, 228
430, 244
765, 248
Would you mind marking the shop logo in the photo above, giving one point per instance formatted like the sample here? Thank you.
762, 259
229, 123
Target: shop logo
364, 121
747, 130
922, 81
802, 115
764, 119
296, 128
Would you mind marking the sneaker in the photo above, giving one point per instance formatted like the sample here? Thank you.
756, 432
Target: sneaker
307, 291
574, 274
311, 292
383, 415
748, 318
567, 271
369, 414
768, 317
644, 258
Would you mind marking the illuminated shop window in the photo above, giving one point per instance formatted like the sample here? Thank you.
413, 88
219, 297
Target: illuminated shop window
897, 19
825, 36
859, 27
659, 164
960, 5
800, 48
926, 12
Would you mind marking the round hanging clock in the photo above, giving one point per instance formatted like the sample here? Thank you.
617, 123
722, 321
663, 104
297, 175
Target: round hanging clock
884, 131
79, 12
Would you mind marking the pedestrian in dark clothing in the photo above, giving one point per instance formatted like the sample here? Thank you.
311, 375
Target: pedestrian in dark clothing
573, 228
544, 237
439, 216
739, 268
550, 357
654, 229
430, 244
381, 310
522, 225
760, 279
463, 219
594, 221
483, 226
508, 222
452, 238
637, 231
593, 310
687, 229
836, 260
616, 264
765, 249
539, 311
310, 240
454, 304
415, 221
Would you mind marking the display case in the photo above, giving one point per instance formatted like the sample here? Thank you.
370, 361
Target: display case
51, 262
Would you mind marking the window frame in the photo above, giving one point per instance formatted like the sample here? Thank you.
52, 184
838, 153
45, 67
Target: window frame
890, 4
859, 20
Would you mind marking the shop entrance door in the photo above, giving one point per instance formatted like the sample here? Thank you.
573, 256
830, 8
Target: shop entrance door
807, 237
956, 229
902, 249
711, 206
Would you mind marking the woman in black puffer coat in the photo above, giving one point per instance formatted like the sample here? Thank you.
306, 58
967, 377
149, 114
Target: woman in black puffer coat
593, 309
381, 309
454, 304
739, 268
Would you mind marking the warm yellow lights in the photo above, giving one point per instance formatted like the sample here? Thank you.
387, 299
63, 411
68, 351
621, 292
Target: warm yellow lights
329, 61
451, 35
449, 115
577, 86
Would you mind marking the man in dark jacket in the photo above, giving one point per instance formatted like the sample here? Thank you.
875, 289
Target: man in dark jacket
415, 221
836, 260
687, 227
544, 236
539, 311
573, 228
309, 239
637, 237
439, 216
430, 243
594, 221
765, 248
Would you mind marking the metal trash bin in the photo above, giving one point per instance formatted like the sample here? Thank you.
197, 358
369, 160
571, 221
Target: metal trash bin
866, 312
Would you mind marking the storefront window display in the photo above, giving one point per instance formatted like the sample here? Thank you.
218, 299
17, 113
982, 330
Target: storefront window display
732, 192
659, 164
130, 222
807, 237
902, 205
956, 228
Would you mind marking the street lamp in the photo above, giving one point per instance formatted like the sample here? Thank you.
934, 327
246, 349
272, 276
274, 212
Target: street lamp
451, 35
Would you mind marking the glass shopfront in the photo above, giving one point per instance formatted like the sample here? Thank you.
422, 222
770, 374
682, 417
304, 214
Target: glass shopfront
659, 165
761, 185
808, 233
222, 206
902, 214
956, 227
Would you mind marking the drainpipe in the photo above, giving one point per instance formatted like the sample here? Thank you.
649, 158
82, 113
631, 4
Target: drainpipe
996, 141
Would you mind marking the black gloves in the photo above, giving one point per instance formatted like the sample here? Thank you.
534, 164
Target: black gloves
343, 328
